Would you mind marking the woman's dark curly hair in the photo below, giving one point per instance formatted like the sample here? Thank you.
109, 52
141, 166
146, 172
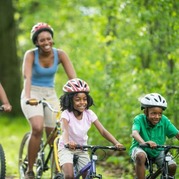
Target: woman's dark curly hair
66, 101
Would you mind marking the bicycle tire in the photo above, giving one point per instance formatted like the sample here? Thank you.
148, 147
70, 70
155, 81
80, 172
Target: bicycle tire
2, 163
23, 162
40, 160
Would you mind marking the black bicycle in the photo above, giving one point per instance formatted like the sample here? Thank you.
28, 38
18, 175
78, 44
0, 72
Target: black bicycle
2, 158
90, 168
163, 171
45, 154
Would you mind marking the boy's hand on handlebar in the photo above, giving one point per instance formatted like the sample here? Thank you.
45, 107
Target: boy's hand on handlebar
151, 144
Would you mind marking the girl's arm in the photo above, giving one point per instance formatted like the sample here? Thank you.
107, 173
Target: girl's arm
65, 134
106, 134
67, 65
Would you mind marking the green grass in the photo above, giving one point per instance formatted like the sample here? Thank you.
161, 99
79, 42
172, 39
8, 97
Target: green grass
12, 131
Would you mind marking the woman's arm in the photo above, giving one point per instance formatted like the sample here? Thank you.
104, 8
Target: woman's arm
27, 72
67, 65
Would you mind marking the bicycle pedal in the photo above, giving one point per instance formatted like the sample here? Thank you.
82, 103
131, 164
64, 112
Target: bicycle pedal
46, 168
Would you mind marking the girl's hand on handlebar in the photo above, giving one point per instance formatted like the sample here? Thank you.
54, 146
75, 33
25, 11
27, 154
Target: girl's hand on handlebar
119, 146
72, 145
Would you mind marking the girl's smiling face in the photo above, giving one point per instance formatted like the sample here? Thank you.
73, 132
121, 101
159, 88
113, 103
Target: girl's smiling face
154, 114
80, 102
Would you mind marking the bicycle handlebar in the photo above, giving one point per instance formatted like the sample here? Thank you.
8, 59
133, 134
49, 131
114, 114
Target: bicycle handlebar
160, 146
1, 108
44, 102
96, 147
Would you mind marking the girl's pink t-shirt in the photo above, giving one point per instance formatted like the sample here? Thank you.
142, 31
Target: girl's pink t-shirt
78, 129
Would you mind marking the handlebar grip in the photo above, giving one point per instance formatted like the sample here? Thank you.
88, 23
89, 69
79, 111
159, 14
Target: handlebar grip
66, 145
32, 102
144, 145
1, 108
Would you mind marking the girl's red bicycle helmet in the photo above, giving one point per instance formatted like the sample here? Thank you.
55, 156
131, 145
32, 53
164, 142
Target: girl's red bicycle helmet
39, 27
76, 85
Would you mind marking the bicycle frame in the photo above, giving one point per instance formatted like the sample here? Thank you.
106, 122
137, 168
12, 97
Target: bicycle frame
42, 159
91, 166
163, 171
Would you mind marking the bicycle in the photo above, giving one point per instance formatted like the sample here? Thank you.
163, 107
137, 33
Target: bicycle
90, 168
2, 158
43, 157
163, 171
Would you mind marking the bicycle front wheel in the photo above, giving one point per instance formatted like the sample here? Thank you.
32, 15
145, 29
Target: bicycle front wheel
23, 161
2, 163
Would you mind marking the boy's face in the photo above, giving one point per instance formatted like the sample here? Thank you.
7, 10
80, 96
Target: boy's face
154, 114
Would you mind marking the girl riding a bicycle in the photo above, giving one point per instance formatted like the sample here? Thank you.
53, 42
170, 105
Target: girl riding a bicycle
76, 119
151, 128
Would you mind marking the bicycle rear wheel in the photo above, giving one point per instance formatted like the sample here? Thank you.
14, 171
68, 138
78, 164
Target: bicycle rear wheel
23, 162
2, 163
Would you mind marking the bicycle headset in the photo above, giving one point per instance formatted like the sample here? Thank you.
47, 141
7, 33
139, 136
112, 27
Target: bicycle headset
39, 27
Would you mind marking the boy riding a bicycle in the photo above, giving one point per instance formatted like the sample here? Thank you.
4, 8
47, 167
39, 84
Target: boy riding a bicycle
152, 128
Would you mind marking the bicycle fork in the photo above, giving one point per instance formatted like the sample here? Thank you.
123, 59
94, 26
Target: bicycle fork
92, 171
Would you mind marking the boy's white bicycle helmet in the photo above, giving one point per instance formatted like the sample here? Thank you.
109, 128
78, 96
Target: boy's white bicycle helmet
153, 100
76, 85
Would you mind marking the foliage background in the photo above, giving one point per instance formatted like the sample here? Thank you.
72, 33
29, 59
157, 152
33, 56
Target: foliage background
123, 49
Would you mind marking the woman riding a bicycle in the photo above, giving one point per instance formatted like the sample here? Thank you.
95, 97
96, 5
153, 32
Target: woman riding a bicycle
39, 68
151, 127
76, 120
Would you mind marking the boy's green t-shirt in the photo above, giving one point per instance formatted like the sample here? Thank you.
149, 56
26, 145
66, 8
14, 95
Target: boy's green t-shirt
158, 133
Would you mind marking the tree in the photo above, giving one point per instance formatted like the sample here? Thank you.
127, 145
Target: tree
9, 69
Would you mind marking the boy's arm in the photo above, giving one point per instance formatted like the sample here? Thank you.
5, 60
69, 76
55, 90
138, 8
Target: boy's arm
137, 137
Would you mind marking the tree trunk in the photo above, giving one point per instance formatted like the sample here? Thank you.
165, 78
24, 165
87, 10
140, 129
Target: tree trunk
10, 66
